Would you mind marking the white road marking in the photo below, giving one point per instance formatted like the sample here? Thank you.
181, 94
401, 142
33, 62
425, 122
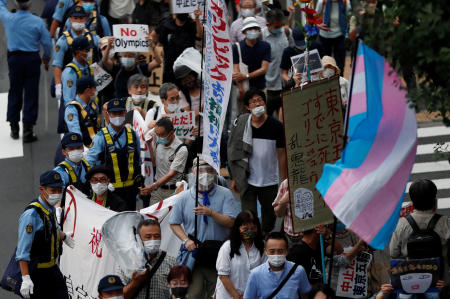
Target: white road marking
9, 148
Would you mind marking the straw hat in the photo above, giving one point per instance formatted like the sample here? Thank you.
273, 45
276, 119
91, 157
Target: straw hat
329, 61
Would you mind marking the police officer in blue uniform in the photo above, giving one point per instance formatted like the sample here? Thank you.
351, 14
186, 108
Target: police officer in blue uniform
74, 167
63, 48
25, 33
82, 115
117, 146
110, 286
38, 246
79, 67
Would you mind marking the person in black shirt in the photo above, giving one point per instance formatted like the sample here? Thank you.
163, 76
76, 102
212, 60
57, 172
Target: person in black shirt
150, 12
176, 34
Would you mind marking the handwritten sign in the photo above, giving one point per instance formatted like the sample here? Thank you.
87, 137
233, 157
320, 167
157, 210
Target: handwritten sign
101, 77
313, 131
415, 276
353, 279
218, 69
131, 38
146, 166
185, 6
183, 123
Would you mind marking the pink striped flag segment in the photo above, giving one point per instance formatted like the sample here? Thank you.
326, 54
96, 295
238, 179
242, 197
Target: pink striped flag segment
365, 188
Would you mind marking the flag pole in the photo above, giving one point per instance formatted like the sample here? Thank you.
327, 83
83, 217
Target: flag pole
347, 111
199, 120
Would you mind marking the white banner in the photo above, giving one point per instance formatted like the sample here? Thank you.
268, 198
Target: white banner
218, 68
353, 279
183, 124
90, 260
131, 38
146, 166
100, 76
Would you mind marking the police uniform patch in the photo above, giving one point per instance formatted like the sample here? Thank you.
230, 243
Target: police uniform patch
56, 176
57, 48
116, 103
111, 280
61, 4
70, 117
74, 137
69, 83
29, 228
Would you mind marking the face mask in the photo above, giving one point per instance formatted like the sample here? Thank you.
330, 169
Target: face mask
252, 34
88, 7
277, 31
327, 73
75, 155
53, 199
179, 292
78, 26
127, 61
183, 17
206, 179
111, 54
258, 111
340, 227
248, 235
139, 98
276, 260
190, 85
247, 12
173, 107
117, 121
152, 246
89, 56
116, 297
99, 188
162, 141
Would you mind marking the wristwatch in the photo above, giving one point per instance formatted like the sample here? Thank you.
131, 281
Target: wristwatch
247, 76
185, 240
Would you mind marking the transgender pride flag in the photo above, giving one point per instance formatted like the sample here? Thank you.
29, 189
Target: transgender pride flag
365, 188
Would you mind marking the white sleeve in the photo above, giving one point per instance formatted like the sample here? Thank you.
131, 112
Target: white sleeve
223, 263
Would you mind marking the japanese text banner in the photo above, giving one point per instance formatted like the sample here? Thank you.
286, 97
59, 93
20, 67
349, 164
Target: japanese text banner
218, 67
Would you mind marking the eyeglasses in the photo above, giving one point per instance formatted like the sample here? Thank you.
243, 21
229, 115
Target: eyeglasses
102, 180
255, 100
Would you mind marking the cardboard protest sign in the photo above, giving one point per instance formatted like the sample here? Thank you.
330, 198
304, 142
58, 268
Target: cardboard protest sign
185, 6
314, 136
146, 166
130, 38
183, 123
90, 260
353, 279
101, 77
415, 276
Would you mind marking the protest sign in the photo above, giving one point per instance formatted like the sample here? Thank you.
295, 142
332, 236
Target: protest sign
146, 166
313, 131
156, 76
353, 279
93, 259
218, 69
101, 77
130, 38
186, 6
299, 62
415, 276
183, 124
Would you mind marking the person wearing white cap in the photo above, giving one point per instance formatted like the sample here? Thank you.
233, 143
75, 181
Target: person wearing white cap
247, 9
329, 70
254, 53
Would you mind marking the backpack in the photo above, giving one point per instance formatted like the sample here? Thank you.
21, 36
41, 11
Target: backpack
424, 243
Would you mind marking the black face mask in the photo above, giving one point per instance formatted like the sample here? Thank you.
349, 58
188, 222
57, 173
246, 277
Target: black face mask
183, 17
179, 292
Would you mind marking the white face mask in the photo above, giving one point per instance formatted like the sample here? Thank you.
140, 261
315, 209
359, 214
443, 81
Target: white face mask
53, 199
258, 111
327, 73
206, 179
173, 107
76, 155
99, 188
127, 61
89, 56
276, 260
139, 98
247, 12
252, 34
152, 246
117, 121
78, 26
116, 297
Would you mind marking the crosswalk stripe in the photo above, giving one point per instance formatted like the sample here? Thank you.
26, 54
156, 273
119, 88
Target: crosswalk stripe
426, 149
10, 148
433, 131
431, 167
444, 203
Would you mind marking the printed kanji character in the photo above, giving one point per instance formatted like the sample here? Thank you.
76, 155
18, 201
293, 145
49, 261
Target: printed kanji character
95, 243
360, 279
335, 130
81, 292
293, 141
345, 286
349, 274
323, 154
359, 291
314, 177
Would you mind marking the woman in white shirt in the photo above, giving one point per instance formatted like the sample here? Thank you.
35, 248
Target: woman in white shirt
240, 254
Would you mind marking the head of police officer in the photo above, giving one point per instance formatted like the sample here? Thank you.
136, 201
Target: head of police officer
169, 94
23, 4
86, 89
51, 187
116, 113
81, 49
77, 19
138, 88
110, 287
72, 147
